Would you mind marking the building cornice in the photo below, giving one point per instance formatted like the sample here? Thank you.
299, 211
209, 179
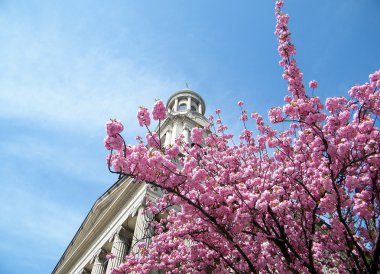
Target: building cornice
124, 193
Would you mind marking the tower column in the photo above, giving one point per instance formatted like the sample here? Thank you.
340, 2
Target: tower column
168, 138
176, 104
176, 129
189, 103
143, 231
99, 263
200, 108
186, 134
120, 246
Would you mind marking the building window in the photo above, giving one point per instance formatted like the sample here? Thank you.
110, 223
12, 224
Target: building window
182, 107
193, 108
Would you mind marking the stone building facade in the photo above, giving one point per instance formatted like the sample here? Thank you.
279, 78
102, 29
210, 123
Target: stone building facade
117, 221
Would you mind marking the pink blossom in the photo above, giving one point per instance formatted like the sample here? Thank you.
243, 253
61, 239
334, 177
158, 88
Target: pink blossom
113, 142
110, 256
287, 99
244, 116
240, 103
172, 151
143, 116
362, 205
275, 115
313, 84
114, 127
246, 135
153, 140
279, 5
375, 79
159, 110
196, 136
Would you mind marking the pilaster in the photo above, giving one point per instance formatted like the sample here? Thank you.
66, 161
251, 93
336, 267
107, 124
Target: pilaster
120, 245
143, 231
99, 263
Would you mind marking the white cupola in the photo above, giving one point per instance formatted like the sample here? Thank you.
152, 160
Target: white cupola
186, 110
186, 100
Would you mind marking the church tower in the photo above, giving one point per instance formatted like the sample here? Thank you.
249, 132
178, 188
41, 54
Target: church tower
186, 110
117, 220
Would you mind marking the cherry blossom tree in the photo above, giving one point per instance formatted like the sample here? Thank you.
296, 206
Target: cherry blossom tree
302, 199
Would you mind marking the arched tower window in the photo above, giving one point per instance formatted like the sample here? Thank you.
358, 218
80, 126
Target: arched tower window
182, 107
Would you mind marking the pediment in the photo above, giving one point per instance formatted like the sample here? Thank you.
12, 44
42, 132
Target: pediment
96, 223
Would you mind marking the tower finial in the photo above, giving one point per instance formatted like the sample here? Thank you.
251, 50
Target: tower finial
187, 86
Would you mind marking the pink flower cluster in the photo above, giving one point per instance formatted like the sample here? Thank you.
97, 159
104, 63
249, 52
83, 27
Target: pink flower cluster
159, 110
197, 136
275, 115
313, 84
143, 117
114, 127
113, 140
375, 79
287, 50
244, 115
153, 140
172, 151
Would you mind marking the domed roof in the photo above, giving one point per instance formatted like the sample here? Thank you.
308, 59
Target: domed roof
186, 92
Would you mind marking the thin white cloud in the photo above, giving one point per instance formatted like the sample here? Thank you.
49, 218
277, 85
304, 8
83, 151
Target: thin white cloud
51, 77
29, 215
70, 159
84, 103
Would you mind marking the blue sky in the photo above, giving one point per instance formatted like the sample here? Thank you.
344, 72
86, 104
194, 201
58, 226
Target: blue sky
66, 67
